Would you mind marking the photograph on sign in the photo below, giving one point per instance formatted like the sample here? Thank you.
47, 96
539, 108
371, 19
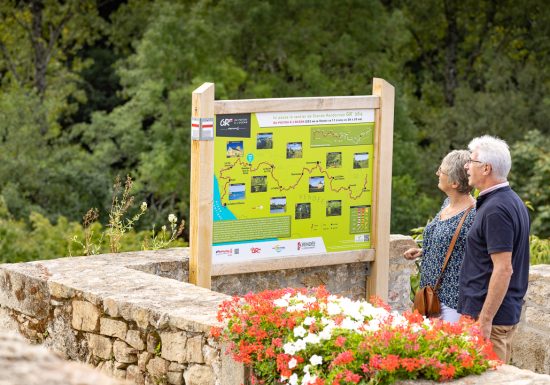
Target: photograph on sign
292, 183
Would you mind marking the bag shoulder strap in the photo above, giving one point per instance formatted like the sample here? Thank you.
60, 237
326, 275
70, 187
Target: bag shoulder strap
452, 246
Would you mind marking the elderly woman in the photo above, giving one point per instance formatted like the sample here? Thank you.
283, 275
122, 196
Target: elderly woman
453, 181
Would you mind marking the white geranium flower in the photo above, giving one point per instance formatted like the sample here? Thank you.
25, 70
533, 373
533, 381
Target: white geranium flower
281, 302
316, 360
350, 324
292, 363
308, 321
296, 307
289, 348
325, 334
333, 308
293, 380
372, 326
399, 320
306, 369
299, 331
300, 345
312, 338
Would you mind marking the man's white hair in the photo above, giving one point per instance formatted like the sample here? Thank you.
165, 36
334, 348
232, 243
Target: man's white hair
493, 151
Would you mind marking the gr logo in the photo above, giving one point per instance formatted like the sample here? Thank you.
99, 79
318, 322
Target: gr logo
225, 122
233, 125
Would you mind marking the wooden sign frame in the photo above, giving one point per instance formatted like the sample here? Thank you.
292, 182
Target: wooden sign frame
204, 109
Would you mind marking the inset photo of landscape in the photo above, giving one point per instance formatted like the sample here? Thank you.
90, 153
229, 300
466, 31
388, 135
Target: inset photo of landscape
303, 211
235, 149
277, 205
361, 160
334, 159
316, 184
334, 208
237, 191
258, 184
264, 141
293, 150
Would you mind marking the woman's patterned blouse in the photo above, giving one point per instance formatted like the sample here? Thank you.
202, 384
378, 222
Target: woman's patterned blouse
437, 237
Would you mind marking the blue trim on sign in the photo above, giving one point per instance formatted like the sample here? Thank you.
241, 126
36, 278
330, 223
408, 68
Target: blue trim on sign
220, 212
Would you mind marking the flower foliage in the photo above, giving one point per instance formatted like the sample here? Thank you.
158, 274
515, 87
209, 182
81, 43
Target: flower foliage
300, 336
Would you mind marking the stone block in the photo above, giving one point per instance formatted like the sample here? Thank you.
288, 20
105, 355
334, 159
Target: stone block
193, 350
232, 372
173, 346
539, 293
59, 290
112, 328
134, 339
106, 367
143, 360
85, 316
119, 373
157, 367
175, 378
531, 349
140, 316
134, 375
538, 318
210, 354
110, 307
153, 339
175, 367
121, 365
199, 375
124, 352
398, 245
23, 293
100, 346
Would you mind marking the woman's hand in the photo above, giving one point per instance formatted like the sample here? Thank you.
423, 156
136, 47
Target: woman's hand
412, 253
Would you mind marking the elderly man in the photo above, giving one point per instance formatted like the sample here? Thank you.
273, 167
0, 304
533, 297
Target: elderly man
495, 270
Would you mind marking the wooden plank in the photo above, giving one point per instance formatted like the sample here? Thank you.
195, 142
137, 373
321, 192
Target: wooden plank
296, 104
377, 283
291, 262
202, 189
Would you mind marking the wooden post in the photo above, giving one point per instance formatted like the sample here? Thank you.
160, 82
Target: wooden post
377, 282
202, 176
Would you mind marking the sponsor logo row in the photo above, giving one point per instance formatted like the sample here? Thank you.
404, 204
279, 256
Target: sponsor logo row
300, 245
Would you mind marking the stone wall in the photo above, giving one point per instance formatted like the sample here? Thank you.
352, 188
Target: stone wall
131, 315
111, 312
531, 349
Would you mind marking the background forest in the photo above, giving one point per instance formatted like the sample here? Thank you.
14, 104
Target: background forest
94, 89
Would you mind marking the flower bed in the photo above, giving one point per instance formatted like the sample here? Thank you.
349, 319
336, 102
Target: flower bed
299, 336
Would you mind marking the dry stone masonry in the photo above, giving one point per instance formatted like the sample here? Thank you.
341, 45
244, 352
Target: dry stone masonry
532, 343
111, 312
23, 364
133, 316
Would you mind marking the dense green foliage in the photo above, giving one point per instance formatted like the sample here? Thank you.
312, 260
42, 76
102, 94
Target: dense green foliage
90, 90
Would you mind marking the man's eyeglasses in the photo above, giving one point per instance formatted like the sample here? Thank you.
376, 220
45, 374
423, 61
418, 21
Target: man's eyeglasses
470, 161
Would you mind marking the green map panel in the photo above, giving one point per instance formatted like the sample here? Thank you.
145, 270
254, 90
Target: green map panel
342, 135
255, 228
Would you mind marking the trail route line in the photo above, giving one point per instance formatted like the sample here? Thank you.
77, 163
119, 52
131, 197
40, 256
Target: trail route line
340, 137
281, 188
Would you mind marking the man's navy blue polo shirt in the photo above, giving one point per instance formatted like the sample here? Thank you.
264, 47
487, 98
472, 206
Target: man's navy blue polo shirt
501, 224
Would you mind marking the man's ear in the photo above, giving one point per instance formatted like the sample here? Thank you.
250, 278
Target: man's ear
487, 169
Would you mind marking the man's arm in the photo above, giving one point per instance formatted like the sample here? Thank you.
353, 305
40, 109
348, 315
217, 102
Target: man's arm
498, 286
